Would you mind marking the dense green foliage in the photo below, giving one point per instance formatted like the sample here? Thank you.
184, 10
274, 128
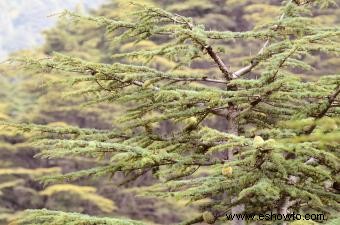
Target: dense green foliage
222, 131
32, 217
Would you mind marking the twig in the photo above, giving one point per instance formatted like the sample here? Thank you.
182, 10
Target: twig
253, 63
221, 65
197, 79
323, 112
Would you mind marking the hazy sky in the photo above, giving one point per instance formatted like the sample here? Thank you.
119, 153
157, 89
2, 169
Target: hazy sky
22, 21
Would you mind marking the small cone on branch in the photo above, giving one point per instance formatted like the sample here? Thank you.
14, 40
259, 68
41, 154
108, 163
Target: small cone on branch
227, 171
258, 141
270, 141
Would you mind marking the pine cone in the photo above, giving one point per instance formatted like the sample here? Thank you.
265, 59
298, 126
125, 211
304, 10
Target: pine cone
227, 171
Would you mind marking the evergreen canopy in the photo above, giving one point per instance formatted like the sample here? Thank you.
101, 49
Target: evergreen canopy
278, 149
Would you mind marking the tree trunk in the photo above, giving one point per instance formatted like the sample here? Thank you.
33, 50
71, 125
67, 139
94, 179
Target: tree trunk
233, 129
283, 210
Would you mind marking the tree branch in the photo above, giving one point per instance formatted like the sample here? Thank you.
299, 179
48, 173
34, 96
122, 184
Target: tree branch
219, 62
271, 80
253, 63
197, 79
323, 112
221, 65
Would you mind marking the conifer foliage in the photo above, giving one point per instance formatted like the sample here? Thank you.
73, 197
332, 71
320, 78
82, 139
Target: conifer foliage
278, 150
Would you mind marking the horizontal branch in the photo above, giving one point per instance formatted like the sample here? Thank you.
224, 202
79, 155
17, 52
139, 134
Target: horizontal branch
197, 79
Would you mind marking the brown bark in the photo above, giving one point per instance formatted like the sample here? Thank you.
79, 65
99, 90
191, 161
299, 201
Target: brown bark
283, 209
219, 62
232, 128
